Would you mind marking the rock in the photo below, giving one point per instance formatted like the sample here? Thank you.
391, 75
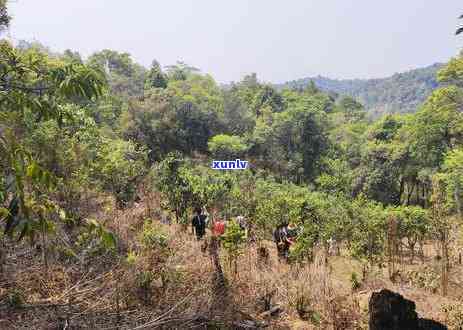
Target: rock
275, 310
264, 302
390, 311
271, 312
247, 324
425, 324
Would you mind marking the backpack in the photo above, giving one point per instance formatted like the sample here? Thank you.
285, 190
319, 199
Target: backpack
200, 221
279, 234
241, 222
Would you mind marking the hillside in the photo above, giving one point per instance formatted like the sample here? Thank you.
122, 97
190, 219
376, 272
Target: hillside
136, 197
402, 92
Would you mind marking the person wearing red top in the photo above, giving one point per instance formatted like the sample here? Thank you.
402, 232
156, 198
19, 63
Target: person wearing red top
218, 228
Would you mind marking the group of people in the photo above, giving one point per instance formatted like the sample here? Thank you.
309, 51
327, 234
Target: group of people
200, 222
284, 235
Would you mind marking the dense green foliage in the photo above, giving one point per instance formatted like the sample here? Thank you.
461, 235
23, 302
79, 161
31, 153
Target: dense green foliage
70, 128
400, 93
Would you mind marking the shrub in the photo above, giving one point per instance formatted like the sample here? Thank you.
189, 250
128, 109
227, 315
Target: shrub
355, 281
15, 298
454, 315
425, 278
153, 237
120, 167
95, 240
131, 258
233, 240
66, 253
227, 146
303, 306
368, 239
144, 284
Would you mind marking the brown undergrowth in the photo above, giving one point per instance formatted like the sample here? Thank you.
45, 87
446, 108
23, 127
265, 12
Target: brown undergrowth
161, 277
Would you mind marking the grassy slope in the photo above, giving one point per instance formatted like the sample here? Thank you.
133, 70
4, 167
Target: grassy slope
101, 292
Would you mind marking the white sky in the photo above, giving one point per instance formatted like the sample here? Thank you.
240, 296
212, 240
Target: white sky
279, 40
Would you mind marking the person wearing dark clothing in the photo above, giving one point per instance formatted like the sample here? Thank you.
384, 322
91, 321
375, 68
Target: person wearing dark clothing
243, 223
199, 224
284, 236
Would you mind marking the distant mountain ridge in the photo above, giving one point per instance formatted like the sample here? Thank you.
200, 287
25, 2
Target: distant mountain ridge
399, 93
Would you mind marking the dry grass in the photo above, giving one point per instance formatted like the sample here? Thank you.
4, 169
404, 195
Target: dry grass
176, 290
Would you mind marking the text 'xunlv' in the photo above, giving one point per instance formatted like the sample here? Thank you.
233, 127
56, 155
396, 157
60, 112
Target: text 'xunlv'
229, 164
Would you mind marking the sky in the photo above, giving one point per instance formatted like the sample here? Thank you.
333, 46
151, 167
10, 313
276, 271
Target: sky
278, 40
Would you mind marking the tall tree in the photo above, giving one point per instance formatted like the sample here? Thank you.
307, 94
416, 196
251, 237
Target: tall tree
460, 30
352, 109
33, 89
155, 77
4, 17
180, 71
125, 77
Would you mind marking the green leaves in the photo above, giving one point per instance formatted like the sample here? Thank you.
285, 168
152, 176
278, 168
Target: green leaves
227, 147
452, 73
39, 175
32, 89
438, 126
369, 229
125, 78
155, 77
119, 166
107, 237
31, 79
76, 80
413, 222
4, 212
183, 187
4, 17
352, 109
11, 214
173, 185
180, 71
153, 237
452, 174
233, 238
28, 208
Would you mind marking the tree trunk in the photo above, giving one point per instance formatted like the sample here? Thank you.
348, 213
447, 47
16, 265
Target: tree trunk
402, 184
457, 199
44, 250
445, 265
392, 248
421, 244
214, 252
412, 253
2, 256
410, 192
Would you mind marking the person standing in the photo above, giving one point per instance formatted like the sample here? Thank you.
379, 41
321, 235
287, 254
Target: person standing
284, 236
199, 223
242, 222
206, 214
292, 233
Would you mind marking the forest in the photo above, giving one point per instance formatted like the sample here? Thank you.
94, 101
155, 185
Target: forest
399, 93
103, 162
